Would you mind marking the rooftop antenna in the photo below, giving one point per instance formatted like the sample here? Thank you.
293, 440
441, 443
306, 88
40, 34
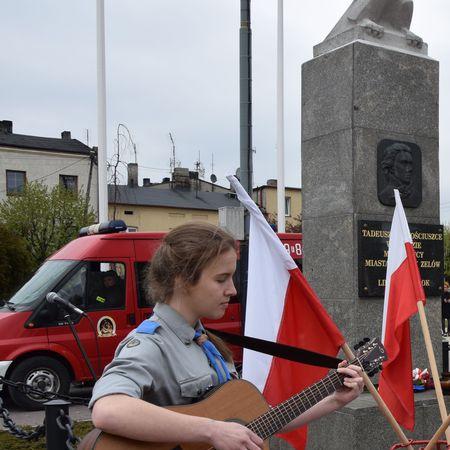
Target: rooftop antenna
87, 137
135, 153
173, 161
213, 177
199, 167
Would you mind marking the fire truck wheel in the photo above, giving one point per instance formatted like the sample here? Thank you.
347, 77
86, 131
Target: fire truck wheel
39, 372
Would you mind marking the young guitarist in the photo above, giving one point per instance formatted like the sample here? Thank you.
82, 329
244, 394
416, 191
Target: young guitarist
170, 360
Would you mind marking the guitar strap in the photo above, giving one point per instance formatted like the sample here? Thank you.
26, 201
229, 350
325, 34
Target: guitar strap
296, 354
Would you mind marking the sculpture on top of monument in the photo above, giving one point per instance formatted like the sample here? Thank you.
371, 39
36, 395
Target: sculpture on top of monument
377, 17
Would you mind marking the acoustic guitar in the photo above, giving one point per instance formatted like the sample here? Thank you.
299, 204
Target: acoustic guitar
240, 401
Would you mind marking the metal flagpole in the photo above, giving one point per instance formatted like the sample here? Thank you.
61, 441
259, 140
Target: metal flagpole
281, 210
101, 114
246, 156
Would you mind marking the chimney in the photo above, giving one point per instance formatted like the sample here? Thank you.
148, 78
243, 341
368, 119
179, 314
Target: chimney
146, 182
6, 127
66, 135
180, 177
272, 182
132, 175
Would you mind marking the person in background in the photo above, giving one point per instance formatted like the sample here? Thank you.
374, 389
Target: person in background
111, 293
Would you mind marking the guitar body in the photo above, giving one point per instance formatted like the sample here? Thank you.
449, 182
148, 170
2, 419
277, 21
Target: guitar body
240, 401
236, 401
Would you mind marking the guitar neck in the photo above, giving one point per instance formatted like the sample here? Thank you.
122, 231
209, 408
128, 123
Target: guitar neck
279, 416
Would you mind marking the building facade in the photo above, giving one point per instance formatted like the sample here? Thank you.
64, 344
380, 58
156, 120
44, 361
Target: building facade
152, 209
266, 198
163, 206
53, 161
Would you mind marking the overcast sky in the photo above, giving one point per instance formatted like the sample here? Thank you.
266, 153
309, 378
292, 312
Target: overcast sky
172, 66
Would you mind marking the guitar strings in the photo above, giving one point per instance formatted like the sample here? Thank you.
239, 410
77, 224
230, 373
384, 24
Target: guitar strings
277, 417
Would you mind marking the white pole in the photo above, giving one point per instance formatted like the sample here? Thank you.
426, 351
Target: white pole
280, 123
101, 114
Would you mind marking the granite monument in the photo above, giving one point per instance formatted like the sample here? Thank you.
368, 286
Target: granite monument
370, 110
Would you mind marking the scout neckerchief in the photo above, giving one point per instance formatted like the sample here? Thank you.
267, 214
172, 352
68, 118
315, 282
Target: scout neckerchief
213, 356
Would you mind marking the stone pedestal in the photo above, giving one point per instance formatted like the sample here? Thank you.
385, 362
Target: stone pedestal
352, 98
360, 426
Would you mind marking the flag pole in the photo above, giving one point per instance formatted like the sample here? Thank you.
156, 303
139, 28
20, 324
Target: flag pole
281, 207
101, 115
380, 402
438, 433
433, 366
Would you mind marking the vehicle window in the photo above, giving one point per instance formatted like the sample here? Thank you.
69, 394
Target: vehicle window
144, 298
42, 282
105, 285
74, 289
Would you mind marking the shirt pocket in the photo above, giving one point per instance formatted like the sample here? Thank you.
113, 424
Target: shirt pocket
195, 387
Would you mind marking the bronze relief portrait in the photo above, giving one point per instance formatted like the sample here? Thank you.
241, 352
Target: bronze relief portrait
399, 166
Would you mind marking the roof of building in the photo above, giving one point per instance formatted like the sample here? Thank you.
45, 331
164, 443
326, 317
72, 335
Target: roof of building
44, 143
208, 183
268, 186
171, 198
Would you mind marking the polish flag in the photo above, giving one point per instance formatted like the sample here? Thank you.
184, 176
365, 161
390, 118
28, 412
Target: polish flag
281, 307
403, 291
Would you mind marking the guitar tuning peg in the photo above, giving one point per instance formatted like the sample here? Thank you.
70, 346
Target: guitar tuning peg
361, 343
366, 339
356, 347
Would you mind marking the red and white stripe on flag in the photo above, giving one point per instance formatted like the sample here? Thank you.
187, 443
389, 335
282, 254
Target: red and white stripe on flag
281, 307
403, 291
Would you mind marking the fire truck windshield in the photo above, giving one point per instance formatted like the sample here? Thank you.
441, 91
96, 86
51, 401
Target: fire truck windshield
42, 282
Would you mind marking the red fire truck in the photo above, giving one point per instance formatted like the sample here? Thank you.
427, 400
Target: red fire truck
103, 275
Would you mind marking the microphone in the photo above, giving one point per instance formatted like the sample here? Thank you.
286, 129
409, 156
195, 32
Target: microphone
54, 298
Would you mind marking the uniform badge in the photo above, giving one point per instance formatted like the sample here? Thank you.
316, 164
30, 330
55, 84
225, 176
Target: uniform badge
133, 343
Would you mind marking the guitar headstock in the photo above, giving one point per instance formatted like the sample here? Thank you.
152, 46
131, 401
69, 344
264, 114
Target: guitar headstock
370, 354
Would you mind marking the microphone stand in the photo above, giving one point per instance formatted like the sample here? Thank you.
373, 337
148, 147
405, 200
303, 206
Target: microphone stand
80, 346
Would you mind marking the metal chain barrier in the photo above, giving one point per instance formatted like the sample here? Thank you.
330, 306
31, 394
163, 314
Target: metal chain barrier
13, 429
64, 422
48, 395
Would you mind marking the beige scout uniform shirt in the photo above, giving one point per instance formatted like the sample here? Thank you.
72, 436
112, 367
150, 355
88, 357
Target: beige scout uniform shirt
164, 368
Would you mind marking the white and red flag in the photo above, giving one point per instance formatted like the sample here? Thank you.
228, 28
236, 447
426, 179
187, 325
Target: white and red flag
403, 291
281, 307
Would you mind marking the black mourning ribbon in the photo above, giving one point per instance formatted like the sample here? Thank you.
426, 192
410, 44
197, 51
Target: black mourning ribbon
288, 352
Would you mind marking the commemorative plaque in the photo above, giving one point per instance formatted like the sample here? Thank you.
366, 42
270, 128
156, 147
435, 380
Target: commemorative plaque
373, 241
